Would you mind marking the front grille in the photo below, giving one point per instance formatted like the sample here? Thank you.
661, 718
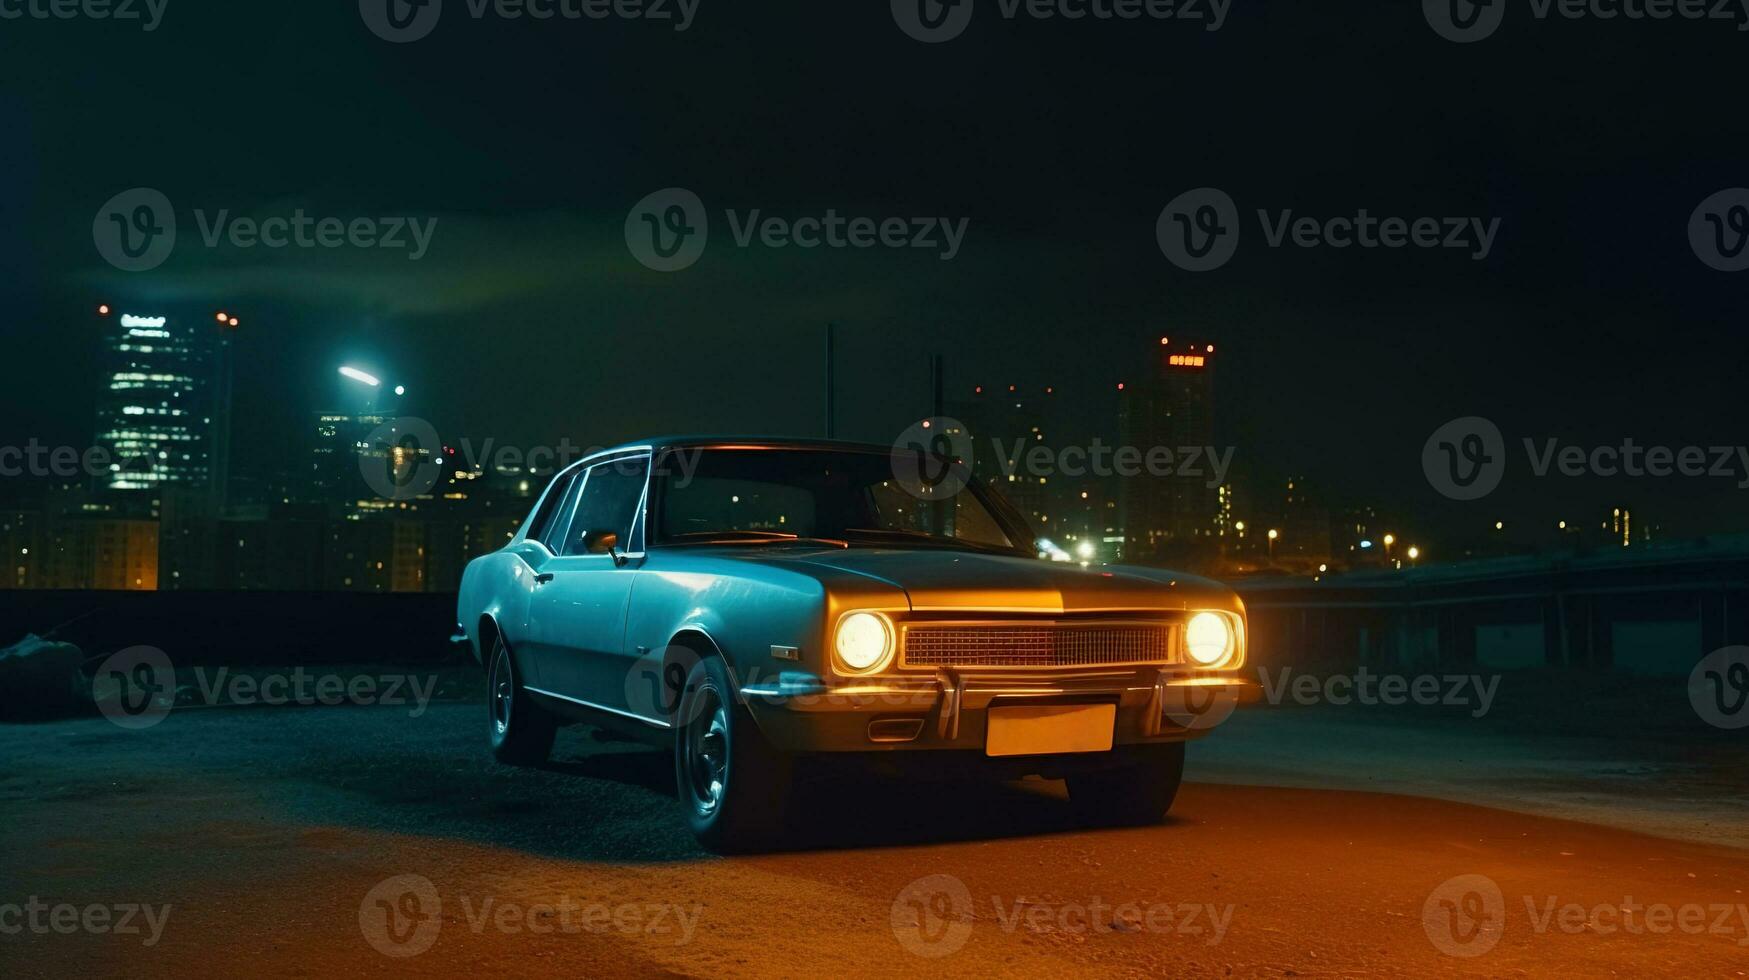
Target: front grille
1036, 645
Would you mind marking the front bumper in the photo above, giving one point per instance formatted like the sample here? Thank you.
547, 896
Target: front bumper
949, 710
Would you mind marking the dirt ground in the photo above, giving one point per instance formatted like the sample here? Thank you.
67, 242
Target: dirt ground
356, 841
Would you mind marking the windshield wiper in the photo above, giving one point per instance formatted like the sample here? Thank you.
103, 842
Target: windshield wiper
749, 537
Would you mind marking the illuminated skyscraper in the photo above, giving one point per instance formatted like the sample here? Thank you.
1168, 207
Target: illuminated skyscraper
163, 405
1170, 405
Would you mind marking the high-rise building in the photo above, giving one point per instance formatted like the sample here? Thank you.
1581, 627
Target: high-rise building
163, 405
1171, 405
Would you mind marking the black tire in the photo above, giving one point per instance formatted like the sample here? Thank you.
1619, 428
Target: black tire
734, 785
1131, 795
519, 731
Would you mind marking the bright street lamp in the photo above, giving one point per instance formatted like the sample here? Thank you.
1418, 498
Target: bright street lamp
357, 375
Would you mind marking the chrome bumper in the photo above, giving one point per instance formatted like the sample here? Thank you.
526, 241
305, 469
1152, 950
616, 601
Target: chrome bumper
801, 713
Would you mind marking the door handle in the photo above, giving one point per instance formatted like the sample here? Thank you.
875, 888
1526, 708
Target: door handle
543, 578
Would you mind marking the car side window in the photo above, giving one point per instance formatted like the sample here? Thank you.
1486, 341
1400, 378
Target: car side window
608, 505
540, 526
555, 535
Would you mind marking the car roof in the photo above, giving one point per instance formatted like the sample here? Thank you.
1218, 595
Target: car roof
746, 442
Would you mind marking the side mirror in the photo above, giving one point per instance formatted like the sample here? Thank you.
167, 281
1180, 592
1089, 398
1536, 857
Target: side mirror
604, 543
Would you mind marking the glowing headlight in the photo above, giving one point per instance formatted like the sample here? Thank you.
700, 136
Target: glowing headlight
1209, 638
864, 641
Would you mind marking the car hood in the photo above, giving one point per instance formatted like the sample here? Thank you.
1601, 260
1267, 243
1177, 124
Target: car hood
937, 580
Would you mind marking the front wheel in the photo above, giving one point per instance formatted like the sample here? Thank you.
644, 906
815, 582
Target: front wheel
520, 731
1134, 794
733, 783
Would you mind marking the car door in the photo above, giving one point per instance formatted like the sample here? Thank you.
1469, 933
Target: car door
580, 598
536, 547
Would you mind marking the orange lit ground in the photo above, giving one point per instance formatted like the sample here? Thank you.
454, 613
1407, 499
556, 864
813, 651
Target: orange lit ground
266, 829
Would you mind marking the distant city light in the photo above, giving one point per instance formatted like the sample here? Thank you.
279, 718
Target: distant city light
129, 320
1364, 543
1273, 534
399, 389
1323, 568
1499, 525
103, 309
222, 316
1085, 549
1390, 539
1414, 552
232, 321
357, 375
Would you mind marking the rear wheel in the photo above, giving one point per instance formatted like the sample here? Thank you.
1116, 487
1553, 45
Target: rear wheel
734, 784
1133, 794
520, 731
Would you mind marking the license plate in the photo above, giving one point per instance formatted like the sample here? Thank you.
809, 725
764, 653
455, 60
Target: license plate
1049, 728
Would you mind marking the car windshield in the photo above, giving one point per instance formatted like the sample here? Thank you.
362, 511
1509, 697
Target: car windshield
765, 496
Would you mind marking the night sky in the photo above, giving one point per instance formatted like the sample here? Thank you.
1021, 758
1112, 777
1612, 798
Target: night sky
1592, 142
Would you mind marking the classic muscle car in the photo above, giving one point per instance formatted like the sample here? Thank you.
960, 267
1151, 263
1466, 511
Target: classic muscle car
749, 602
